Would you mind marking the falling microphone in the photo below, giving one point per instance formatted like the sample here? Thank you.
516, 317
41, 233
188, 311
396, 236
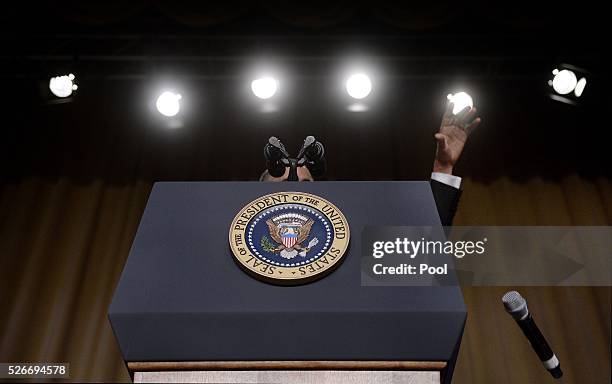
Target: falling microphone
516, 306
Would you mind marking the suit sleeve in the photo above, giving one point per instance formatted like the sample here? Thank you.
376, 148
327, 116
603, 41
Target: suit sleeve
447, 200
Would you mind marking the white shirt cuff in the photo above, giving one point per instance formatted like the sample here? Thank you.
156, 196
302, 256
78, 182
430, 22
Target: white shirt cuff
445, 178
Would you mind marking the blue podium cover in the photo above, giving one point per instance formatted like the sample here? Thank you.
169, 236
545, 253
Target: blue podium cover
182, 297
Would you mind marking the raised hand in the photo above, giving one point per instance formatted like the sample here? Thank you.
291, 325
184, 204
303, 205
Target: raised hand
452, 136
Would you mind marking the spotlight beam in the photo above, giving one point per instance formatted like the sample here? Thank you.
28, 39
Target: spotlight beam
358, 86
264, 87
460, 100
168, 103
63, 86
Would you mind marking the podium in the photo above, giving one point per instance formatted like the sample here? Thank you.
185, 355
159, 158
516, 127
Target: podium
184, 310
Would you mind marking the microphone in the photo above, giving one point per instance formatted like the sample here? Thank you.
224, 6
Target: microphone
276, 157
313, 153
516, 306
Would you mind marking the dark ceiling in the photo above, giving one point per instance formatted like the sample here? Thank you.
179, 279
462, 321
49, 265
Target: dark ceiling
131, 39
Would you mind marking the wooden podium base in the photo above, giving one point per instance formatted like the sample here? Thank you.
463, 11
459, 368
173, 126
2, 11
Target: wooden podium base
350, 372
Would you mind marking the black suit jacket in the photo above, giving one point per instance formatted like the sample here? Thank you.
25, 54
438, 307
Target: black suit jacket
447, 200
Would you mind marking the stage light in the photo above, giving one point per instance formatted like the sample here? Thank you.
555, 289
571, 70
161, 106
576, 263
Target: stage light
564, 81
358, 86
460, 100
63, 86
566, 85
168, 103
264, 87
580, 87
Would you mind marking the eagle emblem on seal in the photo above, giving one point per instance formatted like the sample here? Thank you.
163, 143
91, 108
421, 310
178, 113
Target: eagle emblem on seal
289, 231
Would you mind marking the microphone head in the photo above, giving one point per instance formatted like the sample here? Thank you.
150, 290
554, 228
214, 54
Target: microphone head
314, 154
515, 305
276, 155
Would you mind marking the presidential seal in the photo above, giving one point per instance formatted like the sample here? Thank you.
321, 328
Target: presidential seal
289, 238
